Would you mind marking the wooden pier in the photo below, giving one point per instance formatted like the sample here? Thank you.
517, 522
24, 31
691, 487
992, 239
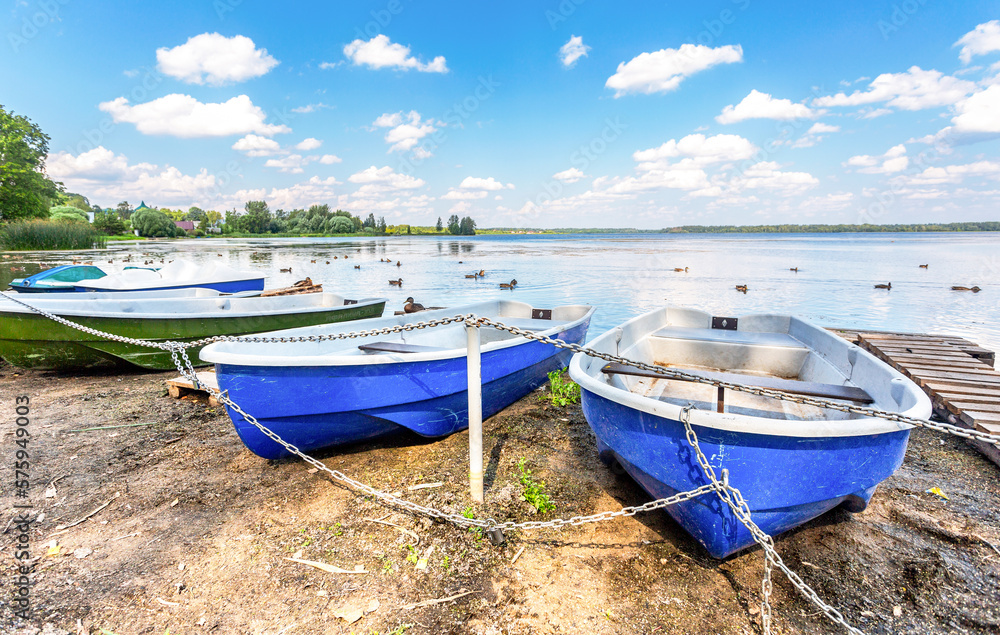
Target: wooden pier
957, 374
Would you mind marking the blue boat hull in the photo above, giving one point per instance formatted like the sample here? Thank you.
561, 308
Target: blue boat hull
315, 407
786, 481
231, 286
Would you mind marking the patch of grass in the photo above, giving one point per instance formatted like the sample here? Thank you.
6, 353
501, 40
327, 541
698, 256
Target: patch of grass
37, 235
562, 391
411, 555
468, 513
534, 491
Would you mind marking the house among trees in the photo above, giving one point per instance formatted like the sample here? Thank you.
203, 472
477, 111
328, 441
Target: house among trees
186, 225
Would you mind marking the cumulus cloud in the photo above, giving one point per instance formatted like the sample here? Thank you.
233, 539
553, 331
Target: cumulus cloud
257, 146
380, 180
814, 135
664, 70
291, 164
894, 160
184, 116
758, 105
490, 184
571, 175
308, 144
308, 108
405, 130
700, 149
916, 89
954, 174
461, 195
978, 113
330, 159
767, 175
105, 175
573, 50
301, 195
380, 52
214, 59
984, 39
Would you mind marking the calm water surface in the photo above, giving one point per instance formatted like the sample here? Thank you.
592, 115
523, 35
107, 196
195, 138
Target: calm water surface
625, 275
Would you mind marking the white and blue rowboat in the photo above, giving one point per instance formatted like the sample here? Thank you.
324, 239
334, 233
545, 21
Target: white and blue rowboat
792, 462
63, 278
179, 274
321, 394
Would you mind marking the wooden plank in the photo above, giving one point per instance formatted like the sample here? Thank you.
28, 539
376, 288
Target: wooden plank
941, 362
830, 391
959, 390
936, 352
929, 374
977, 373
972, 417
180, 386
992, 428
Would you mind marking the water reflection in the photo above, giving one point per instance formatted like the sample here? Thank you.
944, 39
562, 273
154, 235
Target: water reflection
624, 275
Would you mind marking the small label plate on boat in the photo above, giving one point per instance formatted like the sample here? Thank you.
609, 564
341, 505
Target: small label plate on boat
347, 302
541, 314
724, 323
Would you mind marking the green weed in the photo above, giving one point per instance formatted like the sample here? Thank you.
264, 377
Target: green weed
534, 491
562, 391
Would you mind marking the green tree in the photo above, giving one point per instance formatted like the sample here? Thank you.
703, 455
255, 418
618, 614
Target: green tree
381, 227
124, 210
195, 214
69, 214
439, 225
370, 221
257, 218
109, 223
78, 201
25, 190
454, 226
153, 222
467, 227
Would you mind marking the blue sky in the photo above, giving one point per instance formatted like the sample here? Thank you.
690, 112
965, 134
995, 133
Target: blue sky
527, 114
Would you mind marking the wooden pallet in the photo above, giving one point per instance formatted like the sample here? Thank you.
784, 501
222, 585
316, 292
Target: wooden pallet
181, 386
957, 375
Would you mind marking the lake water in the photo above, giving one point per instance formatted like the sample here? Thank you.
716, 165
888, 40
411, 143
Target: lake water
625, 275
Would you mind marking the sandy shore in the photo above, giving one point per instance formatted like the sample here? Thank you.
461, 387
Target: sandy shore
197, 533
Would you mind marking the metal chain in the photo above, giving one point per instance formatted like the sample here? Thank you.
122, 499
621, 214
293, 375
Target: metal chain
732, 497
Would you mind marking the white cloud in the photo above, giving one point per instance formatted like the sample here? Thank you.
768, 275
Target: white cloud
984, 39
109, 177
308, 144
461, 195
214, 59
916, 89
405, 130
379, 180
330, 159
874, 112
308, 108
894, 160
664, 70
701, 149
186, 117
814, 135
954, 174
291, 164
476, 183
767, 175
571, 175
829, 203
758, 105
315, 191
380, 52
257, 146
978, 113
573, 50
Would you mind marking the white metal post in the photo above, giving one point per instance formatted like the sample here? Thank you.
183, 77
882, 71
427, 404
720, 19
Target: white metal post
475, 376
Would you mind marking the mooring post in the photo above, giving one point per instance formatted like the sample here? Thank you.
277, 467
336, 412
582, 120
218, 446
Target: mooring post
475, 374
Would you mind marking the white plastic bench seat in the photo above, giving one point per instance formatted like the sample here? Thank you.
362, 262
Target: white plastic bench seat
782, 340
529, 324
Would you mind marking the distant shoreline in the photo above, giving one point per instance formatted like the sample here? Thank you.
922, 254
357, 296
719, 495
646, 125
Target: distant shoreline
983, 226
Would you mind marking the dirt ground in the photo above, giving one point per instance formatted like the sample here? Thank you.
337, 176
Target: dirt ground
197, 533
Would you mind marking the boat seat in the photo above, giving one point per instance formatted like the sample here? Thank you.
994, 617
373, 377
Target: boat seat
793, 386
398, 347
530, 324
782, 340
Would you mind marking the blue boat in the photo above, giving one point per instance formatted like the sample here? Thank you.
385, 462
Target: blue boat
58, 279
179, 274
791, 462
335, 392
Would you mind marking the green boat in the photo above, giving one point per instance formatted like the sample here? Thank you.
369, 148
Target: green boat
30, 340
